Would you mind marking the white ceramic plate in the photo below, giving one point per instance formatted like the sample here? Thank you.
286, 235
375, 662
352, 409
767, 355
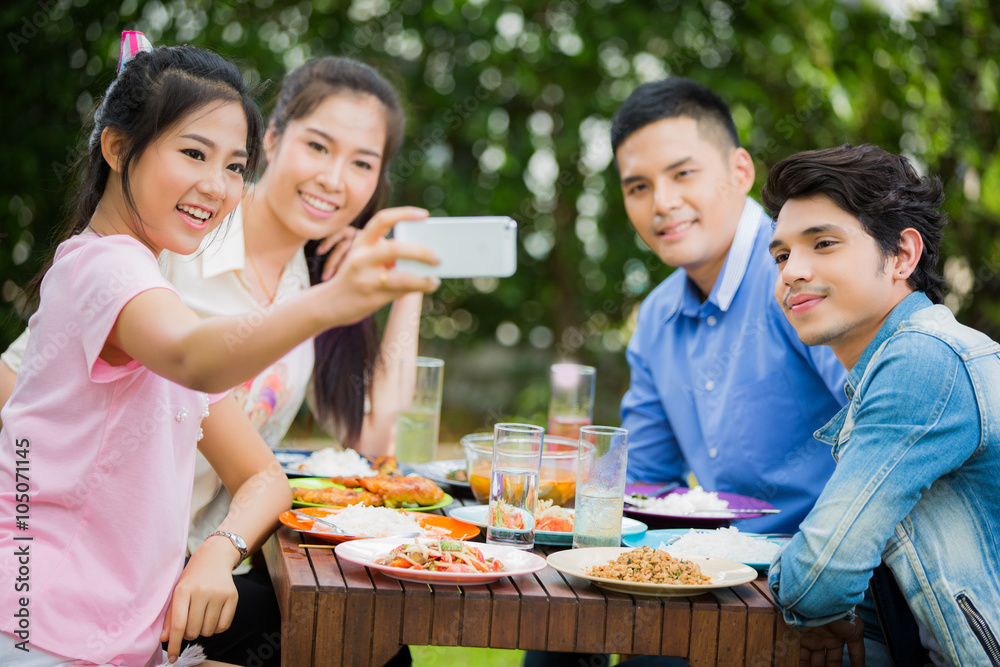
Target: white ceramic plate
724, 573
476, 515
515, 562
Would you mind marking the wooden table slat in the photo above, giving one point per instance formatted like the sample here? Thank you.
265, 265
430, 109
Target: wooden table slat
295, 587
359, 614
590, 617
533, 621
786, 640
418, 611
388, 618
704, 631
506, 611
648, 626
676, 627
446, 626
619, 623
561, 631
476, 603
732, 627
760, 626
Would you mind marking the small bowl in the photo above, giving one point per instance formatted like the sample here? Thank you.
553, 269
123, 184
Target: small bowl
557, 479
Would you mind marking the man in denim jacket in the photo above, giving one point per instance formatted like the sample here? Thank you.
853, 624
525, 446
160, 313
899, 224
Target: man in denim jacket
918, 446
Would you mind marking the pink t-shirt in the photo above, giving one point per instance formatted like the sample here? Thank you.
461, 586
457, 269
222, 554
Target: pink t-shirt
107, 457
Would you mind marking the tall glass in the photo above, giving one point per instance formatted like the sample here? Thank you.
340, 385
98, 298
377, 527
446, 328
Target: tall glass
572, 400
418, 417
600, 487
517, 458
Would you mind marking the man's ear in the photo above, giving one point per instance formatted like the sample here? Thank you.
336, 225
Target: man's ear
113, 148
911, 249
742, 169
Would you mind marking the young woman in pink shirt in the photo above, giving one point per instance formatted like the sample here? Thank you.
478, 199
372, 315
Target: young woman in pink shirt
98, 443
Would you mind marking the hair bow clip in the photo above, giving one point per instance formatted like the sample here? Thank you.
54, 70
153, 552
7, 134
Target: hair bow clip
133, 42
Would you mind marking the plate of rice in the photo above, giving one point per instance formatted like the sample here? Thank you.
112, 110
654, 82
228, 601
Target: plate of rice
360, 522
751, 549
688, 508
328, 462
647, 571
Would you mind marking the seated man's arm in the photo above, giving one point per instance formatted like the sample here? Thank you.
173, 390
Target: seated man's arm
653, 452
909, 431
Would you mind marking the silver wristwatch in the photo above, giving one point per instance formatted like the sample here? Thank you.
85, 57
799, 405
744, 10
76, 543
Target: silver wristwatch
237, 541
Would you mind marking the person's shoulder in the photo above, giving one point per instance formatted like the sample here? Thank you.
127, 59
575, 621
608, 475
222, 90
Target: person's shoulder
927, 343
939, 326
107, 249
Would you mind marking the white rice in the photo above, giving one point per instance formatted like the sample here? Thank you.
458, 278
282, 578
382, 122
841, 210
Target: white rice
728, 543
332, 462
374, 521
682, 504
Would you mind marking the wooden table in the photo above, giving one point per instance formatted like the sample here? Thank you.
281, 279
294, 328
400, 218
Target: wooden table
334, 612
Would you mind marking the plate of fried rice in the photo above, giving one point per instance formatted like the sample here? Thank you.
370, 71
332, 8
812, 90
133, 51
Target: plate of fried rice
647, 571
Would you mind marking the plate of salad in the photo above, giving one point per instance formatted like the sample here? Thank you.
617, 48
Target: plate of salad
440, 561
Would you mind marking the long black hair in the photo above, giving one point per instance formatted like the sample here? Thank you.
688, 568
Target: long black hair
345, 356
153, 91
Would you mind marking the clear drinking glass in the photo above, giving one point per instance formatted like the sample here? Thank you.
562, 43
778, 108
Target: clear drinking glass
419, 414
517, 458
572, 399
600, 487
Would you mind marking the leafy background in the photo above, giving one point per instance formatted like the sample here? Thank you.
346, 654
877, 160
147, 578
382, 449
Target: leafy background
508, 109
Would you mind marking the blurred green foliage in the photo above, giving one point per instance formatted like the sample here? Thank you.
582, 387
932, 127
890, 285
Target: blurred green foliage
508, 109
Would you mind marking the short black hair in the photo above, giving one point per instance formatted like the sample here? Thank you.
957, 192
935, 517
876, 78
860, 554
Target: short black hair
672, 98
881, 189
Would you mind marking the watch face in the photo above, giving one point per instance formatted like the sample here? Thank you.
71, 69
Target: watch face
240, 542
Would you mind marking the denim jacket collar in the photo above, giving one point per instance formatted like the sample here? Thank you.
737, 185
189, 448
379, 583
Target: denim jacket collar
903, 310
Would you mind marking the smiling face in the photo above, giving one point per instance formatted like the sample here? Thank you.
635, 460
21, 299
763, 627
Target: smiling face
324, 168
187, 181
684, 194
184, 184
834, 285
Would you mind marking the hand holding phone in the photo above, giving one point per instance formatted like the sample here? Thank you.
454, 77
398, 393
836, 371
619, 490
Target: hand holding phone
468, 247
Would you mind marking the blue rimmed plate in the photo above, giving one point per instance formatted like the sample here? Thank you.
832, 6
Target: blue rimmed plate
476, 515
653, 539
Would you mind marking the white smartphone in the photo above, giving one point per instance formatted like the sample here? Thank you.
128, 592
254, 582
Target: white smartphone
468, 247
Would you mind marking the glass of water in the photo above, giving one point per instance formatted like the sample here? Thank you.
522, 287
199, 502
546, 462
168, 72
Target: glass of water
600, 487
517, 458
418, 417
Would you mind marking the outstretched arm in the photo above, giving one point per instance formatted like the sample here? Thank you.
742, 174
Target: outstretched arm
217, 353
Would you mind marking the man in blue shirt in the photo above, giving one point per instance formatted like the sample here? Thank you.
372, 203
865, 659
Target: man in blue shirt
856, 243
720, 383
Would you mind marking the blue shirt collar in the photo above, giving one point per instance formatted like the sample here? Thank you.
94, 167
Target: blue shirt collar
688, 300
903, 310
